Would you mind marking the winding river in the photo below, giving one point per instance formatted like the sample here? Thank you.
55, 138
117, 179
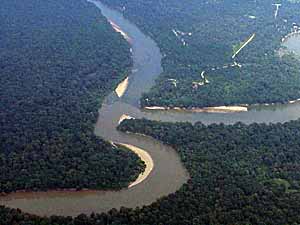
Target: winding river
168, 174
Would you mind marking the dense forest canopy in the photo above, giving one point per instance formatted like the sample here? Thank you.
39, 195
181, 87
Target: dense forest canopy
58, 59
240, 174
197, 36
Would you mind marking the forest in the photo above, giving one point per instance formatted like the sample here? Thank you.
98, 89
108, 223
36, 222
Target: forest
239, 174
58, 60
197, 36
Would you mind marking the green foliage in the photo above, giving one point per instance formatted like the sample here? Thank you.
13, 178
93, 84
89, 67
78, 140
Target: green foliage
58, 60
240, 174
216, 26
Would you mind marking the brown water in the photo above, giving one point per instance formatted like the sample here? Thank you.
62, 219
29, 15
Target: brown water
168, 174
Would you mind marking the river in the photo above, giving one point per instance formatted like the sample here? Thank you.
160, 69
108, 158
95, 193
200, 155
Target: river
168, 174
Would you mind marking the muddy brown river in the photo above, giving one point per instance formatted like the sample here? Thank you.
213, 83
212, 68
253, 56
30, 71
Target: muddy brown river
168, 174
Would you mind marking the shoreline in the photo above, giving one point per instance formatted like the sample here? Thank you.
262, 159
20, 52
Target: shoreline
119, 30
217, 109
226, 109
294, 101
122, 87
146, 158
73, 192
289, 35
62, 191
125, 117
142, 154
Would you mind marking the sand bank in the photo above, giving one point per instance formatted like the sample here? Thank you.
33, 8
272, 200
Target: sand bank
217, 109
145, 157
294, 101
124, 117
221, 109
119, 30
122, 87
156, 108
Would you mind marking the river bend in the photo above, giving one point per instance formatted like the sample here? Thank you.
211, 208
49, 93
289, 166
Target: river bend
168, 174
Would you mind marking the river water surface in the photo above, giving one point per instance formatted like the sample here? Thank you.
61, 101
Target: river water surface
168, 174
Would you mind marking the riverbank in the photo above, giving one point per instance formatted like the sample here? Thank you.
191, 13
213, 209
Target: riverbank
122, 87
124, 117
217, 109
168, 175
165, 178
119, 30
294, 101
146, 158
286, 37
